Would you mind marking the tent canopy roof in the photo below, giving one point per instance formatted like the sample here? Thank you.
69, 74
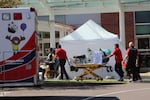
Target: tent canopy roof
90, 31
59, 7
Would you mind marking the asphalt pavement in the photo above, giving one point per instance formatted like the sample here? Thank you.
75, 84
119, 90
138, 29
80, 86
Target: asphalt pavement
81, 91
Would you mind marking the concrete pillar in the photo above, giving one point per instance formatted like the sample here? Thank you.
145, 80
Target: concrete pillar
52, 29
122, 26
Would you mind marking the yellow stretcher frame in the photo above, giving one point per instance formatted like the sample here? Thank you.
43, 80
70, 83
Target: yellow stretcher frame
88, 69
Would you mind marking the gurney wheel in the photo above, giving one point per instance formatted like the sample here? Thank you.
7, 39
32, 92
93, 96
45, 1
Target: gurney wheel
98, 78
81, 78
78, 78
101, 79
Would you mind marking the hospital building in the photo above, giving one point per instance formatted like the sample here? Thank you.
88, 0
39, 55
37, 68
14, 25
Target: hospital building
129, 19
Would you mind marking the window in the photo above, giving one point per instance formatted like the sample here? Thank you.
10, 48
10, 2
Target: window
57, 35
46, 35
40, 35
40, 46
142, 22
46, 46
6, 16
143, 43
142, 29
142, 17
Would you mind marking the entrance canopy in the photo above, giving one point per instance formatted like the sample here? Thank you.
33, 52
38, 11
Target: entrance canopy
61, 7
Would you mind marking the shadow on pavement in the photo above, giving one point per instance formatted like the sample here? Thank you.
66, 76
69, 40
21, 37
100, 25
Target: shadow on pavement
58, 98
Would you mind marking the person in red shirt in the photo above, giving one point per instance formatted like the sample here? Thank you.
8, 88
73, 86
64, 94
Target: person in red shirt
62, 57
118, 58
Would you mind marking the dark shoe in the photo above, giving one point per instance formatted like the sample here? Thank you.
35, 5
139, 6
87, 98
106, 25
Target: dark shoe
121, 79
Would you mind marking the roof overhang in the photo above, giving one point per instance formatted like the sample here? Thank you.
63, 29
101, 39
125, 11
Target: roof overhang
64, 7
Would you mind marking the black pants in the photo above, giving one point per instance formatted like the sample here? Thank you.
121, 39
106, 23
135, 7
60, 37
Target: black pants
62, 63
118, 69
138, 73
132, 69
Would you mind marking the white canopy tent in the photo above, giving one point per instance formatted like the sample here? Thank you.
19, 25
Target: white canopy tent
89, 35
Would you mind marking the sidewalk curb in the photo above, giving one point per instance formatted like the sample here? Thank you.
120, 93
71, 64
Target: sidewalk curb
81, 83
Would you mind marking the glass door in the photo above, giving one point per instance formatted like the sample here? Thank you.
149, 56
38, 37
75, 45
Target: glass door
143, 44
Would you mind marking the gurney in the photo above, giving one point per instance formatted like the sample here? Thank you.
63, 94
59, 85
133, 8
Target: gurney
88, 69
88, 66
